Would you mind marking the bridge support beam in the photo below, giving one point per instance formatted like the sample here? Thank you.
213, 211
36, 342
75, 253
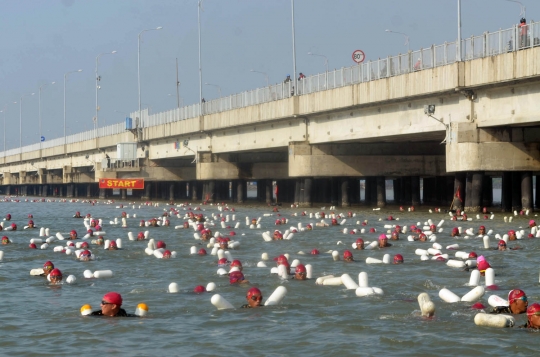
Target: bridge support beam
506, 192
345, 202
460, 185
526, 191
516, 191
69, 191
381, 192
415, 191
487, 192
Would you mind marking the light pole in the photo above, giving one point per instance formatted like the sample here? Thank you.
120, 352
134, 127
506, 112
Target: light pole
522, 7
39, 110
139, 65
65, 78
293, 44
325, 59
98, 78
20, 121
264, 73
459, 56
215, 85
404, 34
200, 67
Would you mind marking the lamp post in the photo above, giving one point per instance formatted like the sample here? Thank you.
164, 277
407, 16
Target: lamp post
65, 78
522, 7
39, 110
200, 67
459, 56
293, 44
98, 79
139, 65
20, 122
215, 85
325, 64
401, 33
264, 73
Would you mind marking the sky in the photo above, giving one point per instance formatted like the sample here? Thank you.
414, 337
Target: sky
43, 40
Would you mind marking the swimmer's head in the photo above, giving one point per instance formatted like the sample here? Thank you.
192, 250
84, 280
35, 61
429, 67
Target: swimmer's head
167, 254
85, 255
85, 245
254, 297
100, 240
112, 245
48, 267
140, 236
473, 255
501, 245
161, 244
282, 259
359, 244
347, 256
5, 240
222, 261
533, 315
199, 289
236, 263
32, 246
202, 251
111, 303
73, 234
300, 272
315, 252
30, 223
398, 259
236, 277
517, 300
56, 276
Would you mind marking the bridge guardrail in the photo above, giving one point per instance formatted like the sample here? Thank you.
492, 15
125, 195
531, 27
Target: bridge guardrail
487, 44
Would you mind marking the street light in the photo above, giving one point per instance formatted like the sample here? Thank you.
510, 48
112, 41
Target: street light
264, 73
20, 121
65, 78
293, 45
325, 59
139, 65
522, 7
215, 85
39, 109
98, 78
200, 67
404, 34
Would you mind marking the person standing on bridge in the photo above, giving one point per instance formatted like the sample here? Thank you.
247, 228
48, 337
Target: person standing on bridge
523, 28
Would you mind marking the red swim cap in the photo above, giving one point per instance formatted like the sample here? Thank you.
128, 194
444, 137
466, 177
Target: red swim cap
167, 253
347, 254
48, 264
113, 298
236, 277
253, 291
140, 235
86, 253
473, 255
199, 289
30, 222
84, 245
482, 227
515, 294
236, 263
533, 309
483, 265
502, 243
315, 251
56, 272
511, 232
222, 261
398, 258
455, 230
359, 241
161, 244
112, 243
372, 230
33, 246
202, 251
300, 268
282, 260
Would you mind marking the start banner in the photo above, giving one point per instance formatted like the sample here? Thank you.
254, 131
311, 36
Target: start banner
134, 184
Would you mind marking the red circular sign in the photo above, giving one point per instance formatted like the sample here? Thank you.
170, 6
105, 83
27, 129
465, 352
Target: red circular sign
358, 56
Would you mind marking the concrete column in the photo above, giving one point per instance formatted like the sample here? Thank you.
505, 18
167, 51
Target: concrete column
308, 189
354, 190
526, 191
123, 194
194, 196
268, 191
449, 190
487, 192
297, 191
381, 191
406, 190
345, 192
147, 191
537, 191
69, 190
474, 191
506, 192
429, 190
396, 187
211, 192
460, 184
171, 192
102, 193
334, 191
89, 190
415, 191
441, 197
324, 191
240, 191
516, 191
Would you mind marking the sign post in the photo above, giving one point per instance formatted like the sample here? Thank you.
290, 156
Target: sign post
358, 56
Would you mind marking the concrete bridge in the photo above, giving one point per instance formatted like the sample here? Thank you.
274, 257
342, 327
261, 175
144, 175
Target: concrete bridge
319, 145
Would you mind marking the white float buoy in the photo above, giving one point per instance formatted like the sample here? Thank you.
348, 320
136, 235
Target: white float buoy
474, 295
220, 302
334, 281
71, 279
448, 296
364, 291
455, 263
348, 282
427, 307
99, 274
370, 260
309, 271
276, 297
475, 278
210, 287
88, 274
489, 320
173, 288
490, 277
496, 301
363, 280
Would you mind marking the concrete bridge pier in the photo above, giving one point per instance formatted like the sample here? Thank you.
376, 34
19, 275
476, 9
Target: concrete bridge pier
474, 189
334, 191
69, 191
537, 192
516, 191
381, 191
123, 194
415, 191
171, 191
406, 195
268, 191
102, 193
429, 190
308, 192
8, 190
147, 191
487, 192
194, 191
298, 191
241, 191
459, 185
526, 191
397, 191
354, 190
345, 202
370, 191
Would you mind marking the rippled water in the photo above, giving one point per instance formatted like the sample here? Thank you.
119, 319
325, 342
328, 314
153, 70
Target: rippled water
39, 319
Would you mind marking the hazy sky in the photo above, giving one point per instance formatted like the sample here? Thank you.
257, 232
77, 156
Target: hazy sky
42, 40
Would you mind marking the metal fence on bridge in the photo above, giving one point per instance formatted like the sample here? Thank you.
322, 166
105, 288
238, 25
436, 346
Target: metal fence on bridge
488, 44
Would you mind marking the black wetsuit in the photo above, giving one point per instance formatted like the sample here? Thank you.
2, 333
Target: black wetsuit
501, 310
246, 306
528, 325
121, 313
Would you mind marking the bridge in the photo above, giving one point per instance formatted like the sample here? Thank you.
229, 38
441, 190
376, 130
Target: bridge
321, 137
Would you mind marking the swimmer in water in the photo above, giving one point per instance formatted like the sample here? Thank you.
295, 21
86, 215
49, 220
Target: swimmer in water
8, 217
112, 245
202, 251
482, 265
56, 276
395, 235
277, 235
383, 241
422, 237
100, 240
533, 316
237, 263
13, 227
334, 222
482, 231
161, 244
166, 254
300, 272
512, 235
359, 244
140, 236
455, 232
85, 256
347, 256
223, 243
398, 259
47, 268
111, 306
185, 225
237, 277
77, 215
167, 223
254, 298
5, 240
31, 224
73, 234
517, 304
205, 235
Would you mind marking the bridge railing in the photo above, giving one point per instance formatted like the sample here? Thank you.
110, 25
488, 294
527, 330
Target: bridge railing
487, 44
